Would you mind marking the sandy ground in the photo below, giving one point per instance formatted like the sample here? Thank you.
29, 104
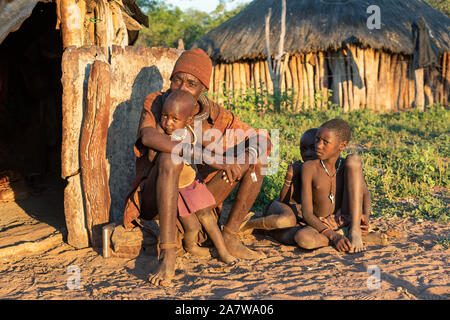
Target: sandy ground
412, 266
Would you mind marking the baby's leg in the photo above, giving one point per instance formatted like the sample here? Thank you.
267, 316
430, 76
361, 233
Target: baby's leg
353, 198
209, 222
309, 238
192, 227
279, 215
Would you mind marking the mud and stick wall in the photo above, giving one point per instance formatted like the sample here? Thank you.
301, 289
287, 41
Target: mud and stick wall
134, 73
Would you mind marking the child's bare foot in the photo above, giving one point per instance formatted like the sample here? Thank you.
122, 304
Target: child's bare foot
356, 240
237, 249
196, 250
166, 269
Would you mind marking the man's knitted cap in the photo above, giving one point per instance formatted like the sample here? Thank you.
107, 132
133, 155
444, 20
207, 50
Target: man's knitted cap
195, 62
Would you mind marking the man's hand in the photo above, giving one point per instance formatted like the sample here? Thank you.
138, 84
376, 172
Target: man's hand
232, 173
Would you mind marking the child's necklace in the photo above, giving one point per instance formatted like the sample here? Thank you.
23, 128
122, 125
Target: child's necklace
331, 196
180, 137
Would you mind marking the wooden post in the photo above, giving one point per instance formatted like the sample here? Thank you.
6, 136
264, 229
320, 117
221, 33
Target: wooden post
428, 87
93, 151
71, 23
310, 78
347, 81
446, 78
397, 77
294, 76
419, 100
323, 80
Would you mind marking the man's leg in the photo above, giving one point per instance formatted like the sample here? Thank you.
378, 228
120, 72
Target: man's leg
167, 200
246, 195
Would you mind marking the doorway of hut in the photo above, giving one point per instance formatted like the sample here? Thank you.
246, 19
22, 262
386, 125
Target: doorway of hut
31, 187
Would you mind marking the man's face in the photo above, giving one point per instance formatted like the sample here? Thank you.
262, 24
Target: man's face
328, 144
187, 82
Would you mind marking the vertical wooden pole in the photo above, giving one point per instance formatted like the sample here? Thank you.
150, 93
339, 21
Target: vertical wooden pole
294, 76
428, 87
348, 84
93, 151
419, 100
71, 23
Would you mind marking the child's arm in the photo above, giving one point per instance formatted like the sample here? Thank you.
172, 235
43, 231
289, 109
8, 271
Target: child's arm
307, 198
285, 194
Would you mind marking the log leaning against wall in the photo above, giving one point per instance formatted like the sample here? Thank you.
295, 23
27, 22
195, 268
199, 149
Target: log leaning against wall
94, 132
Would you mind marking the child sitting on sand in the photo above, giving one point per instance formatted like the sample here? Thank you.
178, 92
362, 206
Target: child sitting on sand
193, 195
323, 192
284, 217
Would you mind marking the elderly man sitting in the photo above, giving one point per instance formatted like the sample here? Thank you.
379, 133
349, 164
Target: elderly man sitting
154, 192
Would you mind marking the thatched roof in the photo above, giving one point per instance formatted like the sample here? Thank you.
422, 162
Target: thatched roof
14, 13
322, 25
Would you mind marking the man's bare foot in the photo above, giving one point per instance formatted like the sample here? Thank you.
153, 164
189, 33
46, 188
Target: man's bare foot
356, 240
196, 250
227, 258
237, 249
166, 269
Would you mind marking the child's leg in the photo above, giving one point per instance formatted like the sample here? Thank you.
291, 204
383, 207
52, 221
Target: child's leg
309, 238
209, 222
192, 227
367, 208
279, 215
353, 197
284, 235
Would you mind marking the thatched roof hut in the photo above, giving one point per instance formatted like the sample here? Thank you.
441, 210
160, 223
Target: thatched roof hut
317, 32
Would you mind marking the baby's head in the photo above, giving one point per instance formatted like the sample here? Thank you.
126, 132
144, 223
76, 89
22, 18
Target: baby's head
177, 111
307, 145
332, 137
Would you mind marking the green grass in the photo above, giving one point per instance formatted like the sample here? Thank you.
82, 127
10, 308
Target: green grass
405, 155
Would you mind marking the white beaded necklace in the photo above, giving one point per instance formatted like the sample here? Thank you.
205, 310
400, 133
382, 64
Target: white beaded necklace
331, 196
